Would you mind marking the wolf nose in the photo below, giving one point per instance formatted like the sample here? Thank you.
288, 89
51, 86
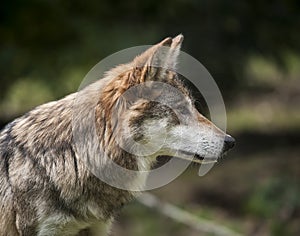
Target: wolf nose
228, 143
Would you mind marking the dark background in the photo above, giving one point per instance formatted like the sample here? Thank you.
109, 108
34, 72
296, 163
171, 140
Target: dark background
250, 47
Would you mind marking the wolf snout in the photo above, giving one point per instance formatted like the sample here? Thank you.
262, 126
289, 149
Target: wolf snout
229, 142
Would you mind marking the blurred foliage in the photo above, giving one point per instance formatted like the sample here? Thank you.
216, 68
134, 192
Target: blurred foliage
271, 197
277, 200
59, 41
152, 223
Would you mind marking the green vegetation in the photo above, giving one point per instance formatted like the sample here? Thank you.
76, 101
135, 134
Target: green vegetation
276, 200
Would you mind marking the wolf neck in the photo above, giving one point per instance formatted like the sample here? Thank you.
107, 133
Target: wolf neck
93, 126
65, 130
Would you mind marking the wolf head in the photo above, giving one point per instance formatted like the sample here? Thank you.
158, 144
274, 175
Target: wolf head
148, 110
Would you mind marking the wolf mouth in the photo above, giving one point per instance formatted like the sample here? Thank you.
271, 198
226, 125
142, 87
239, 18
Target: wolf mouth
196, 158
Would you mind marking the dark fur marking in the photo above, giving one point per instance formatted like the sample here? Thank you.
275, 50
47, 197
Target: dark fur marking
75, 162
6, 165
5, 148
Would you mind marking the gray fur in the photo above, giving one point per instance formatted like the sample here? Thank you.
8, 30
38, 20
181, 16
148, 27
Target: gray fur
46, 187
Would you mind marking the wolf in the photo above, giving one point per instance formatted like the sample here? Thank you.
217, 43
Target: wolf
46, 184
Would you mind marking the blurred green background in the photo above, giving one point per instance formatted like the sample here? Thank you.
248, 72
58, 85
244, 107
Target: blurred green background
252, 49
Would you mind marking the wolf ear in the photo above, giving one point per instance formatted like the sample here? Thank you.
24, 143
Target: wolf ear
149, 54
161, 57
172, 57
